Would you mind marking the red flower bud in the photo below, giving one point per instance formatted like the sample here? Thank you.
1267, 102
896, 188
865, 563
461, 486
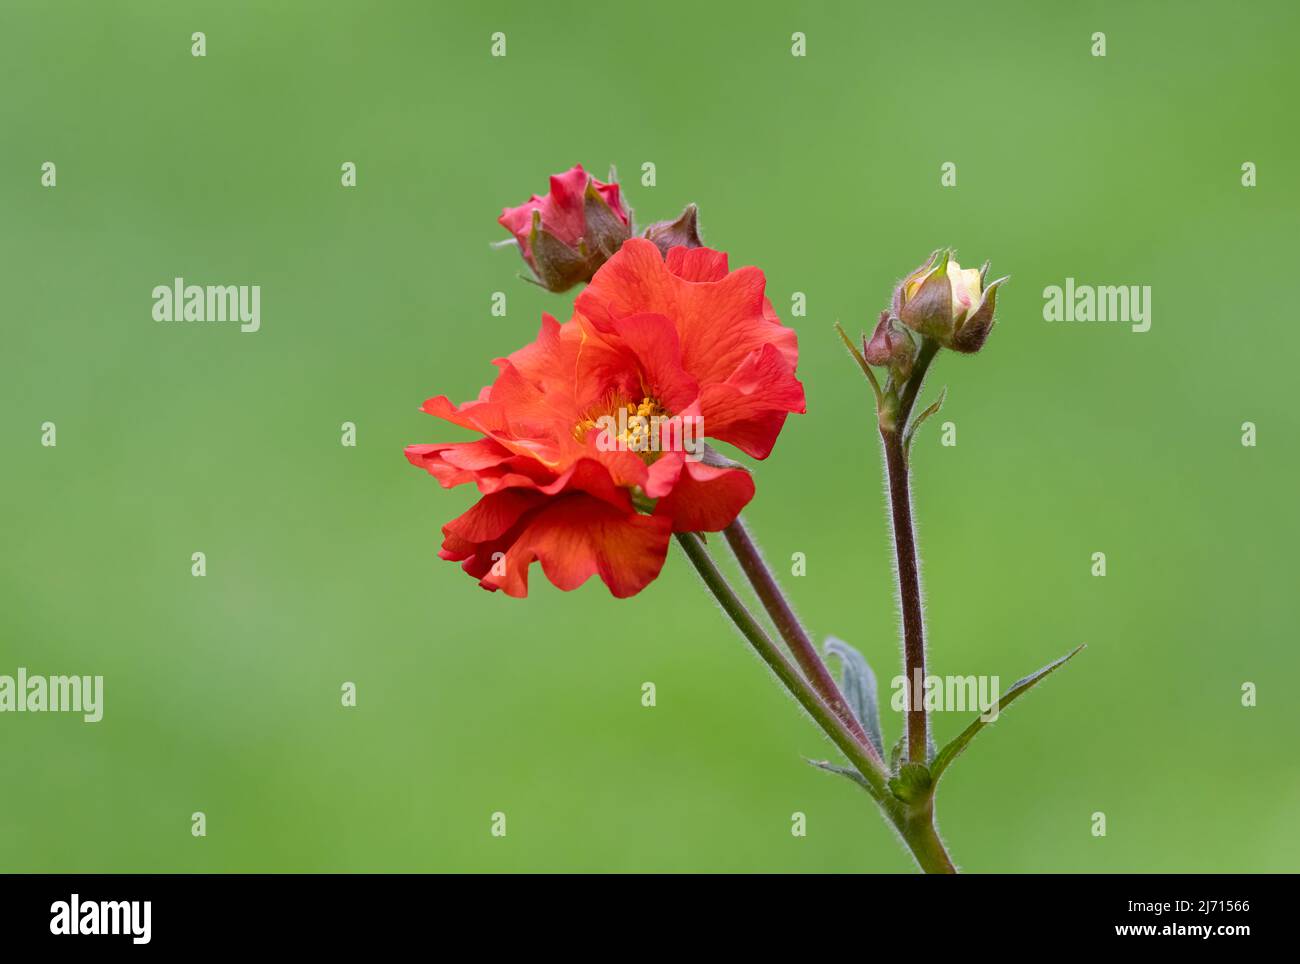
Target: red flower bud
891, 345
569, 233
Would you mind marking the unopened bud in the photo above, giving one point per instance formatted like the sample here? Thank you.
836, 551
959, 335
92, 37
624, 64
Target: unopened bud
566, 235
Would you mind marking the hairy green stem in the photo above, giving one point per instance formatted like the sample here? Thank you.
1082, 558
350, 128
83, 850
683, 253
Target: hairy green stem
791, 630
916, 825
808, 698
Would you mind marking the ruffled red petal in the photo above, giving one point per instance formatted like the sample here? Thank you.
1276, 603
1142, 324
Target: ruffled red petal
706, 498
749, 408
575, 537
720, 316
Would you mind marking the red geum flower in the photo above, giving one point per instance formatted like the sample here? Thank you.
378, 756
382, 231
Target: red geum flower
569, 233
680, 336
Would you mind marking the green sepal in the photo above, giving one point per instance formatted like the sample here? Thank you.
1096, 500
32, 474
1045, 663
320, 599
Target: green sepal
558, 266
929, 311
606, 231
862, 363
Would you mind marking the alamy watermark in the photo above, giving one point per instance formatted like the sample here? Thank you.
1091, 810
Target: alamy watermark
53, 694
1127, 304
181, 302
959, 694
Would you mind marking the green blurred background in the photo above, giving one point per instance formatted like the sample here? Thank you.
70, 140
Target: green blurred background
222, 693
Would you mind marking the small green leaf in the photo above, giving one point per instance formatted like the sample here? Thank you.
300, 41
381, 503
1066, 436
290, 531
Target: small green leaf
916, 422
954, 749
849, 772
862, 363
912, 783
859, 687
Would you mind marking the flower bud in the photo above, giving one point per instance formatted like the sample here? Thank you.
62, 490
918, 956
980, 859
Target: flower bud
569, 233
947, 302
890, 345
682, 233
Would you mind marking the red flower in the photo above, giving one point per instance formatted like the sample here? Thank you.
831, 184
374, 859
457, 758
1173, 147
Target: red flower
568, 234
681, 337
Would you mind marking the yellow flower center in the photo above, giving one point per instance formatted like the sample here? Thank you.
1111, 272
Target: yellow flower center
628, 426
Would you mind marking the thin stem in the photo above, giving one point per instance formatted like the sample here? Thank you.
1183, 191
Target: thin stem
909, 572
771, 654
929, 348
909, 588
792, 631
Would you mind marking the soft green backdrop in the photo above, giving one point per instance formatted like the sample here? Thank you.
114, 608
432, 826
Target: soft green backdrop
222, 693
